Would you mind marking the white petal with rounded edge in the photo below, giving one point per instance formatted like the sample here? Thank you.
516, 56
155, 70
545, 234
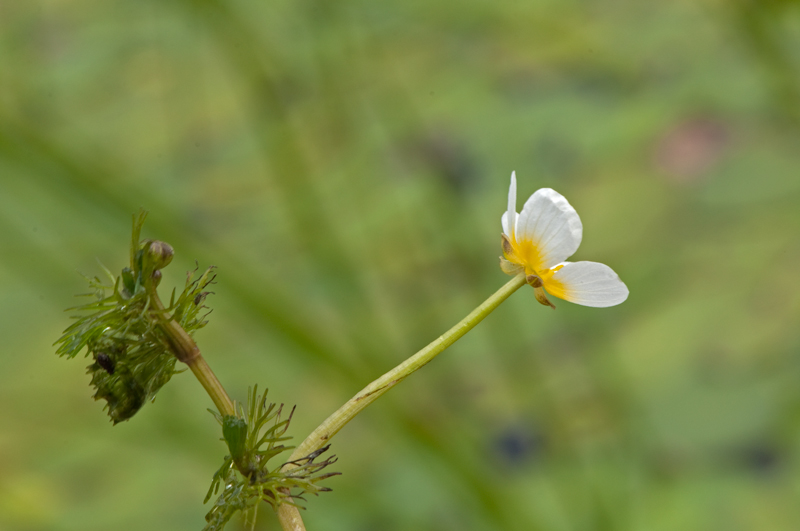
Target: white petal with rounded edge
550, 222
589, 284
510, 221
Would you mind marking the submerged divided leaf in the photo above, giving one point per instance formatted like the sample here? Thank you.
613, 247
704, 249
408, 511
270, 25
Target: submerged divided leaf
132, 359
254, 436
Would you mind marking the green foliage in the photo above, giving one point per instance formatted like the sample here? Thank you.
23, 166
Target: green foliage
244, 476
120, 327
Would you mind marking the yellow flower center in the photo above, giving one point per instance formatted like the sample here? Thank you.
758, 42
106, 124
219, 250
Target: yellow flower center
527, 254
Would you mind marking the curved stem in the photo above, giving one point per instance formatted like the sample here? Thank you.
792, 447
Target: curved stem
320, 436
289, 514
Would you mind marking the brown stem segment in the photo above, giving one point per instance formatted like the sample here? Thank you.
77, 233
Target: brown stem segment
185, 349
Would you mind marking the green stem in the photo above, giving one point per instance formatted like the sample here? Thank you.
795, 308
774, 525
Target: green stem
320, 436
212, 385
288, 515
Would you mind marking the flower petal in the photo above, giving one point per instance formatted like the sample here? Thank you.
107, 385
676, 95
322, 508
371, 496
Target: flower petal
587, 283
550, 223
510, 219
504, 223
511, 211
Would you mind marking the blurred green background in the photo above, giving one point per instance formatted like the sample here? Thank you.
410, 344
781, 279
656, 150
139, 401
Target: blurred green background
345, 165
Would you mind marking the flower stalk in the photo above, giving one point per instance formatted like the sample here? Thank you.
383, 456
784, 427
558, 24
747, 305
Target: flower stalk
289, 515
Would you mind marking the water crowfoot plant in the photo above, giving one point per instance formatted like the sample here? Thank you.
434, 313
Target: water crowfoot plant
135, 341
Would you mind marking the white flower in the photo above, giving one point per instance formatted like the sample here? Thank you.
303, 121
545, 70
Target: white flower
538, 240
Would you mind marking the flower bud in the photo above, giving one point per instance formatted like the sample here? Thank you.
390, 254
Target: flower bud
160, 254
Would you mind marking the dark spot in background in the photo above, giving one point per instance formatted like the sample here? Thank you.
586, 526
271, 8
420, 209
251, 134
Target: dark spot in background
518, 444
447, 156
762, 458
